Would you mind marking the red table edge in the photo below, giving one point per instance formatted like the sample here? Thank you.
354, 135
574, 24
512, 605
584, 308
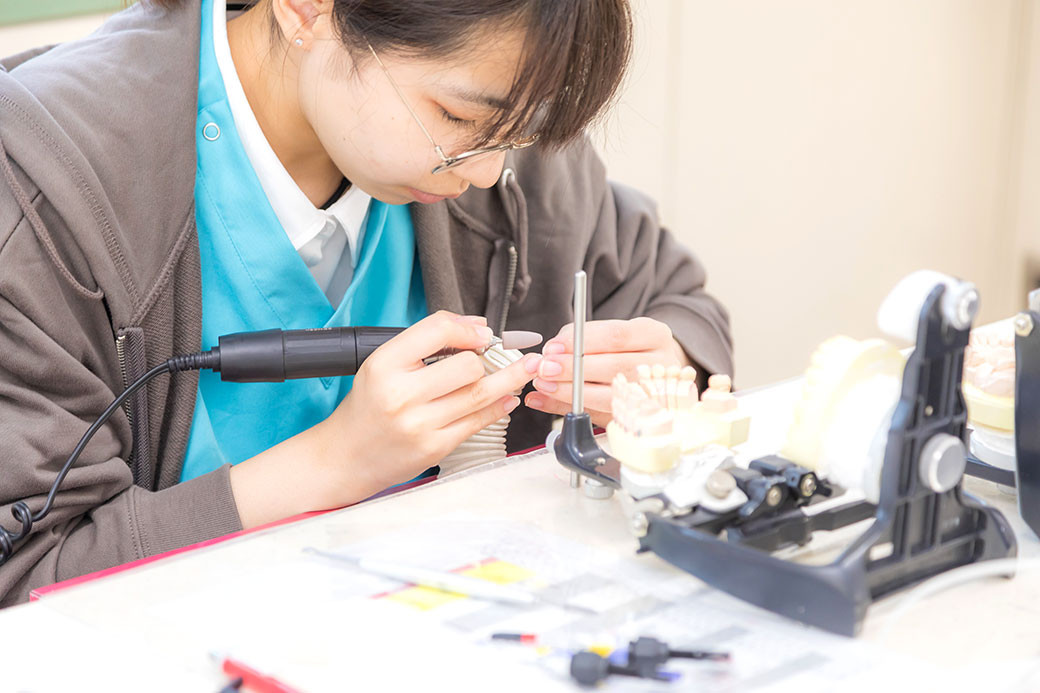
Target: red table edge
46, 590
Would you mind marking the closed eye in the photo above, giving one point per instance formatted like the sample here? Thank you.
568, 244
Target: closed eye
455, 120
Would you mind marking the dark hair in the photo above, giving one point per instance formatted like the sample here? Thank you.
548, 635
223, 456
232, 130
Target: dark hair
575, 52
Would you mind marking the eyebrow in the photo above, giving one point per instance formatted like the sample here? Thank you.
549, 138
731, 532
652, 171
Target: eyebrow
479, 98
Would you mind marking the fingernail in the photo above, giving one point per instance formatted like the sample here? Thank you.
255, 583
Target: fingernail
511, 404
549, 368
535, 401
484, 333
552, 348
531, 362
545, 385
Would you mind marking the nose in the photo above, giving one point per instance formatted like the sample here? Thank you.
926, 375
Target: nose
482, 172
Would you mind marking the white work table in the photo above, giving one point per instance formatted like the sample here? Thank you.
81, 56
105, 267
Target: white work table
149, 628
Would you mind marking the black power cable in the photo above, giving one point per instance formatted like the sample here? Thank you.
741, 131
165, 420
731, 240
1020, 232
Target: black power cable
21, 512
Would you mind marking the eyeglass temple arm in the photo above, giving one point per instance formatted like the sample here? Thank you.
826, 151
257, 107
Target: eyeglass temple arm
407, 105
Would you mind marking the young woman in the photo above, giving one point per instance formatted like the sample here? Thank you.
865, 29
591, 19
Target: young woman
193, 170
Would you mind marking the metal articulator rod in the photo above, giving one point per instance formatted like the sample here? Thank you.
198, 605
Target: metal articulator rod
576, 447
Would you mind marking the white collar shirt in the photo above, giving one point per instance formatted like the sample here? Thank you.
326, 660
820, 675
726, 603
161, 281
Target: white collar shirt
320, 236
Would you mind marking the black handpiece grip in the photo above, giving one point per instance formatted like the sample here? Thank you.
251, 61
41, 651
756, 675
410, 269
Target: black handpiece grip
371, 338
252, 357
272, 356
321, 353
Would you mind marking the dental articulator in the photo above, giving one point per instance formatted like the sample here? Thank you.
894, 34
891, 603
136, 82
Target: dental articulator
879, 444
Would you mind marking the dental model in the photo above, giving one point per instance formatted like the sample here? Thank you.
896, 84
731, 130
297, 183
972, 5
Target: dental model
988, 384
488, 444
643, 433
719, 409
670, 442
659, 416
989, 377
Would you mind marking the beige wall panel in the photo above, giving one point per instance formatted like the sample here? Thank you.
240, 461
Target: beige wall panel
636, 137
822, 150
19, 37
1026, 199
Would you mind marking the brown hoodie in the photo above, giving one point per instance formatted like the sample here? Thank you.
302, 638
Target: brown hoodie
99, 279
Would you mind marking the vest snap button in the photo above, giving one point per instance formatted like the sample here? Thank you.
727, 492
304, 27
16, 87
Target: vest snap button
211, 131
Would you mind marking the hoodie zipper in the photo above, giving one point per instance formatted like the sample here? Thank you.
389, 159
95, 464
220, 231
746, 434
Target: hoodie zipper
127, 408
129, 351
121, 355
510, 280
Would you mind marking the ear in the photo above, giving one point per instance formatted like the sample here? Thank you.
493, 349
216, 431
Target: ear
297, 18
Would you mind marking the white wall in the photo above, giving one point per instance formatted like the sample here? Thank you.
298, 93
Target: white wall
19, 37
812, 152
1025, 192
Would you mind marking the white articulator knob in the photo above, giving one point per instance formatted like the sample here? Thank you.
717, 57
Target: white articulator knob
942, 461
900, 311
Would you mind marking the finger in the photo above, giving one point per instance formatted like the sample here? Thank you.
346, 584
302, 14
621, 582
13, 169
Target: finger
462, 428
481, 394
612, 336
431, 334
446, 375
597, 396
598, 368
544, 403
454, 372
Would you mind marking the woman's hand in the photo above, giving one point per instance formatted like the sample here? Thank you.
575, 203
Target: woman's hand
611, 347
400, 418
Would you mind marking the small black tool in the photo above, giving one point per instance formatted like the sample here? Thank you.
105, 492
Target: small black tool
589, 668
646, 655
765, 492
803, 482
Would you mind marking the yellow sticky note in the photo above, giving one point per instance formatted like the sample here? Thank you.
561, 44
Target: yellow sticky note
501, 572
426, 598
423, 598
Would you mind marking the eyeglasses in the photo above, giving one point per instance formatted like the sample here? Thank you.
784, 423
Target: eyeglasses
448, 162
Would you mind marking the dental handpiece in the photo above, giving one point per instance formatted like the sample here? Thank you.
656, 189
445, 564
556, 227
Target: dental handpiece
273, 356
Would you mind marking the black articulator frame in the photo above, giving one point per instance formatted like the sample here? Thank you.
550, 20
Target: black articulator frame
916, 533
1026, 476
1027, 416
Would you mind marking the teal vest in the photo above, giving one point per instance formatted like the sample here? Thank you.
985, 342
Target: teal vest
253, 279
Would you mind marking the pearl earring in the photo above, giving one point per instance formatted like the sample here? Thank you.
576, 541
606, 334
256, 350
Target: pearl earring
298, 42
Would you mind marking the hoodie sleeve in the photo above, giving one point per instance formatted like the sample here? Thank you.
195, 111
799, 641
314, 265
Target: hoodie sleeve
635, 267
58, 372
576, 218
638, 268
